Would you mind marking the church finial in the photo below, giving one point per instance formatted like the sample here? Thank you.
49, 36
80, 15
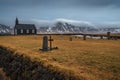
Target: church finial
16, 21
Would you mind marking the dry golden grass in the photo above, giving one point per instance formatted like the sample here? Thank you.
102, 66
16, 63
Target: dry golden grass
92, 59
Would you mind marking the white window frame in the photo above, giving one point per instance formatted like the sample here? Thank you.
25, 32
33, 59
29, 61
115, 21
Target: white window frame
21, 30
27, 30
33, 31
15, 31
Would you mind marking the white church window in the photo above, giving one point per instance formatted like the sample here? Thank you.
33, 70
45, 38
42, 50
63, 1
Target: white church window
21, 30
15, 31
27, 30
33, 31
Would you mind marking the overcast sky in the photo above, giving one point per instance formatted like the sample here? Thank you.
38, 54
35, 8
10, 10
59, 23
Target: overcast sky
84, 10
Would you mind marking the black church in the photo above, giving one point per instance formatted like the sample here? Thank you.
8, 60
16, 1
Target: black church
24, 29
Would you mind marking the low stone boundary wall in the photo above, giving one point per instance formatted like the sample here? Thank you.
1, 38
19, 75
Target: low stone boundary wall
18, 67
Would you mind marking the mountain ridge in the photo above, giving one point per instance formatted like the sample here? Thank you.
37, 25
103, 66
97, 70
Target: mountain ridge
5, 29
66, 26
61, 27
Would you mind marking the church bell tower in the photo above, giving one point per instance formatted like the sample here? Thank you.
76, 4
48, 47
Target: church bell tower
16, 21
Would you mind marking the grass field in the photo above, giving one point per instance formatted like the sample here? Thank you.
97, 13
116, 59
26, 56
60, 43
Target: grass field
92, 59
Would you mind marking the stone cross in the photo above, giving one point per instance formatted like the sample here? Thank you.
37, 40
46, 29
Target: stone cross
50, 42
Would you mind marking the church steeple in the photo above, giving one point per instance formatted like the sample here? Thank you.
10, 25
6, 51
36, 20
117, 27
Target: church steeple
16, 21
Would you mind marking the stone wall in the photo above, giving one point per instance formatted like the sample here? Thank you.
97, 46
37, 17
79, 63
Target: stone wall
18, 67
3, 75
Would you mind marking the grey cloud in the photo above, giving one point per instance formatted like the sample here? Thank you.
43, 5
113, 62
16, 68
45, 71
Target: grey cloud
75, 2
81, 2
92, 10
98, 3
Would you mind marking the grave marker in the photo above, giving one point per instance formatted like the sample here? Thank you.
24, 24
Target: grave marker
108, 35
45, 43
50, 42
84, 37
101, 37
70, 39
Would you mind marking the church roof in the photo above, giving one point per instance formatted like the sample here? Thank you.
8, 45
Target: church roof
25, 26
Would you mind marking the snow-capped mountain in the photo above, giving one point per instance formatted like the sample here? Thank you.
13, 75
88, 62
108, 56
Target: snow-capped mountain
67, 26
61, 26
5, 29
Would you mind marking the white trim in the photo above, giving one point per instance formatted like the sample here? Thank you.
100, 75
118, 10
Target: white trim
21, 30
15, 31
33, 31
27, 30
